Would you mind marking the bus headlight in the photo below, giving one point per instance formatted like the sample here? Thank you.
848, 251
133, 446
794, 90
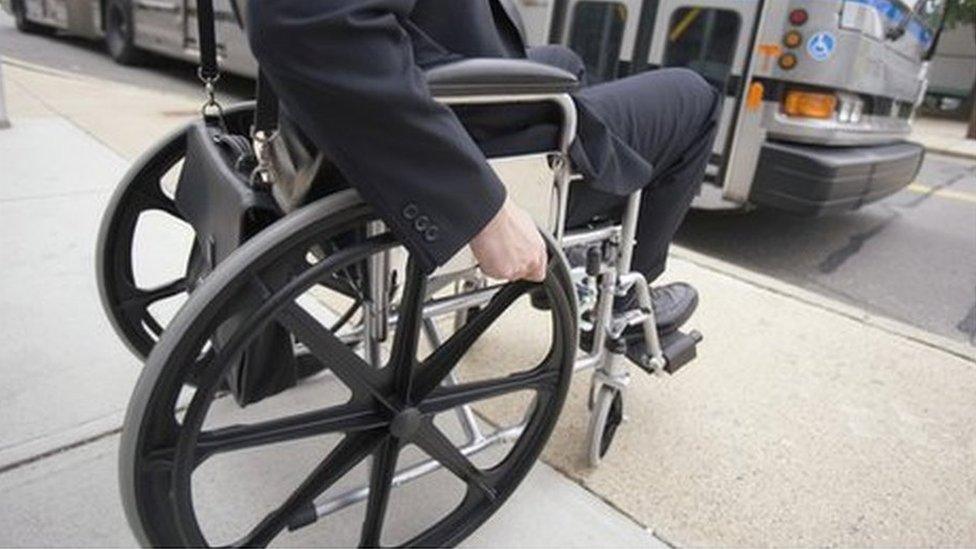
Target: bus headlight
851, 108
809, 104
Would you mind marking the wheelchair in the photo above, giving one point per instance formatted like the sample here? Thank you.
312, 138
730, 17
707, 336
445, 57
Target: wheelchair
296, 300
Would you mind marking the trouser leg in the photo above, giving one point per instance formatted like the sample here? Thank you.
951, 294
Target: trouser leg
669, 117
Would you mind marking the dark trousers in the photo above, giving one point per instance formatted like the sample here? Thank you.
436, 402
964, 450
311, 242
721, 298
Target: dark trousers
669, 117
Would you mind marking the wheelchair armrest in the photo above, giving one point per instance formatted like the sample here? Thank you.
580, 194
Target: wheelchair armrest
495, 76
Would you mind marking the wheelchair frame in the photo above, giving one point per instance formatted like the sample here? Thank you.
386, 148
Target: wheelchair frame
616, 279
613, 278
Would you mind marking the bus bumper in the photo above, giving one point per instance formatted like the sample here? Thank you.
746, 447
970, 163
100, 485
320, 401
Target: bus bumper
811, 180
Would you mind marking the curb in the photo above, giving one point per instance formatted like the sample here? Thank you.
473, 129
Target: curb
894, 327
950, 152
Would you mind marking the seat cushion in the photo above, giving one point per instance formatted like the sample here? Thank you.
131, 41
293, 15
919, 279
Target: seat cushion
494, 76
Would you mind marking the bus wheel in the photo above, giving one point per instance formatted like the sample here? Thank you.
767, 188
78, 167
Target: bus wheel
120, 33
24, 24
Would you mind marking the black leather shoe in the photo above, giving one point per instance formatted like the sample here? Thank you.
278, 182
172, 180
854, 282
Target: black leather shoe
673, 305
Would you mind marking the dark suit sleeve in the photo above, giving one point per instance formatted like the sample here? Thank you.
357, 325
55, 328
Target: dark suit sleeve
345, 71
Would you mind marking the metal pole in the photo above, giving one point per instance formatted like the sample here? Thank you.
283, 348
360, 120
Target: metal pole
4, 121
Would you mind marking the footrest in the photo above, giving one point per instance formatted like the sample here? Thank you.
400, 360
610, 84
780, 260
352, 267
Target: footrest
679, 348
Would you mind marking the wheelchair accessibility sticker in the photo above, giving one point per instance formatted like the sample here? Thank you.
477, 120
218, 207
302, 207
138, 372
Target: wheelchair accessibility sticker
821, 45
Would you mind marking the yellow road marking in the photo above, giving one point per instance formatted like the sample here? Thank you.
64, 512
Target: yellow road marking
943, 193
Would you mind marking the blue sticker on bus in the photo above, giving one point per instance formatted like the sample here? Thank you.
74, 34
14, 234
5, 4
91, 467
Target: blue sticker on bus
821, 45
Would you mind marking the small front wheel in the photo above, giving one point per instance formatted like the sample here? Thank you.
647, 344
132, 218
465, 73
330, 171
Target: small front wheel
606, 416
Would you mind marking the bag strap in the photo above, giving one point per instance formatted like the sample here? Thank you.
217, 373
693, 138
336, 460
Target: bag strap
207, 40
266, 108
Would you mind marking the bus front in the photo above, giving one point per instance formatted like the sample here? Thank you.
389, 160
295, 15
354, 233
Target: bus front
824, 120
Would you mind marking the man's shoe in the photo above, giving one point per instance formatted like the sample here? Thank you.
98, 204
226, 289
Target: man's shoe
673, 305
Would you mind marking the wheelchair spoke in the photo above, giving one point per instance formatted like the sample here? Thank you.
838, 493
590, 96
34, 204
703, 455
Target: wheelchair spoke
448, 398
404, 353
154, 199
431, 440
359, 376
352, 450
440, 363
380, 485
347, 417
143, 298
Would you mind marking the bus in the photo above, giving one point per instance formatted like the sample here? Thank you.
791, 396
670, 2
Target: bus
133, 28
820, 95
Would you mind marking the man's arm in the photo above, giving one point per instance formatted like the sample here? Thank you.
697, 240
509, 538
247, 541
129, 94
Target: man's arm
345, 71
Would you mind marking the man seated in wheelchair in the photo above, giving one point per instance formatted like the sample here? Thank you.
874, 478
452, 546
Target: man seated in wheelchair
351, 74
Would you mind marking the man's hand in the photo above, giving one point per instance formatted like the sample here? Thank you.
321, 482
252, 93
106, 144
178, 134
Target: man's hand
510, 247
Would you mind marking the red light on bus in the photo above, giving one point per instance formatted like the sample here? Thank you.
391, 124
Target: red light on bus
798, 17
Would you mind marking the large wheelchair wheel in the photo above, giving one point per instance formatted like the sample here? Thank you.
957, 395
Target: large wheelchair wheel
148, 187
174, 432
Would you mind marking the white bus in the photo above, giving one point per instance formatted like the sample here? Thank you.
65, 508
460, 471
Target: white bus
819, 94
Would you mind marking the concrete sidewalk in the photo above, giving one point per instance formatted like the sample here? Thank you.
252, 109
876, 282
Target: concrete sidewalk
804, 422
943, 137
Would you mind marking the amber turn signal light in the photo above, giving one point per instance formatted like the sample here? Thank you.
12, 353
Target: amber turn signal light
809, 104
792, 39
787, 61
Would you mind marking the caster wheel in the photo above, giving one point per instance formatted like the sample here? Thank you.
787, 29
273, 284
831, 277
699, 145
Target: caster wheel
176, 447
606, 416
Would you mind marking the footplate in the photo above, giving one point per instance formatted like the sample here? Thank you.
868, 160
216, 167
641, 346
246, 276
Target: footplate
679, 348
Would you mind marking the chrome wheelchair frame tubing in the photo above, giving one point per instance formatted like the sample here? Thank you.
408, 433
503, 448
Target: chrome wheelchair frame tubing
563, 175
623, 279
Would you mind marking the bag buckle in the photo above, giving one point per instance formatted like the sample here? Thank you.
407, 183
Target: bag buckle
263, 174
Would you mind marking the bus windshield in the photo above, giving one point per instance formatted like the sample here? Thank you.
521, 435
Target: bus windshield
919, 19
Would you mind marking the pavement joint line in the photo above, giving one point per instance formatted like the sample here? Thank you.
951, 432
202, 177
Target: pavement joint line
66, 194
890, 326
62, 114
33, 67
582, 484
59, 450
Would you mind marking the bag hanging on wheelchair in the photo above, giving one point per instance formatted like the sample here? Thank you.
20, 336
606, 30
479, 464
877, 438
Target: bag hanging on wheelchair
221, 196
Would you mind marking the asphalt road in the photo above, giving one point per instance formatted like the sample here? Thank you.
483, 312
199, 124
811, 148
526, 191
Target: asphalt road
911, 257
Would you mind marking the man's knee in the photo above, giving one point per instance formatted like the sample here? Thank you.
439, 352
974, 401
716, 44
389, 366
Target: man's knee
702, 97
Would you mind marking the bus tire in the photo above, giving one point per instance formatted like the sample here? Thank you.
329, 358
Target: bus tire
24, 24
120, 33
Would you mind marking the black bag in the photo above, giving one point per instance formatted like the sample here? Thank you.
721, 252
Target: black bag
217, 198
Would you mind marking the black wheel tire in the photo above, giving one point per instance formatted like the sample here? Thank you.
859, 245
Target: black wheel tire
24, 24
157, 455
120, 33
140, 191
